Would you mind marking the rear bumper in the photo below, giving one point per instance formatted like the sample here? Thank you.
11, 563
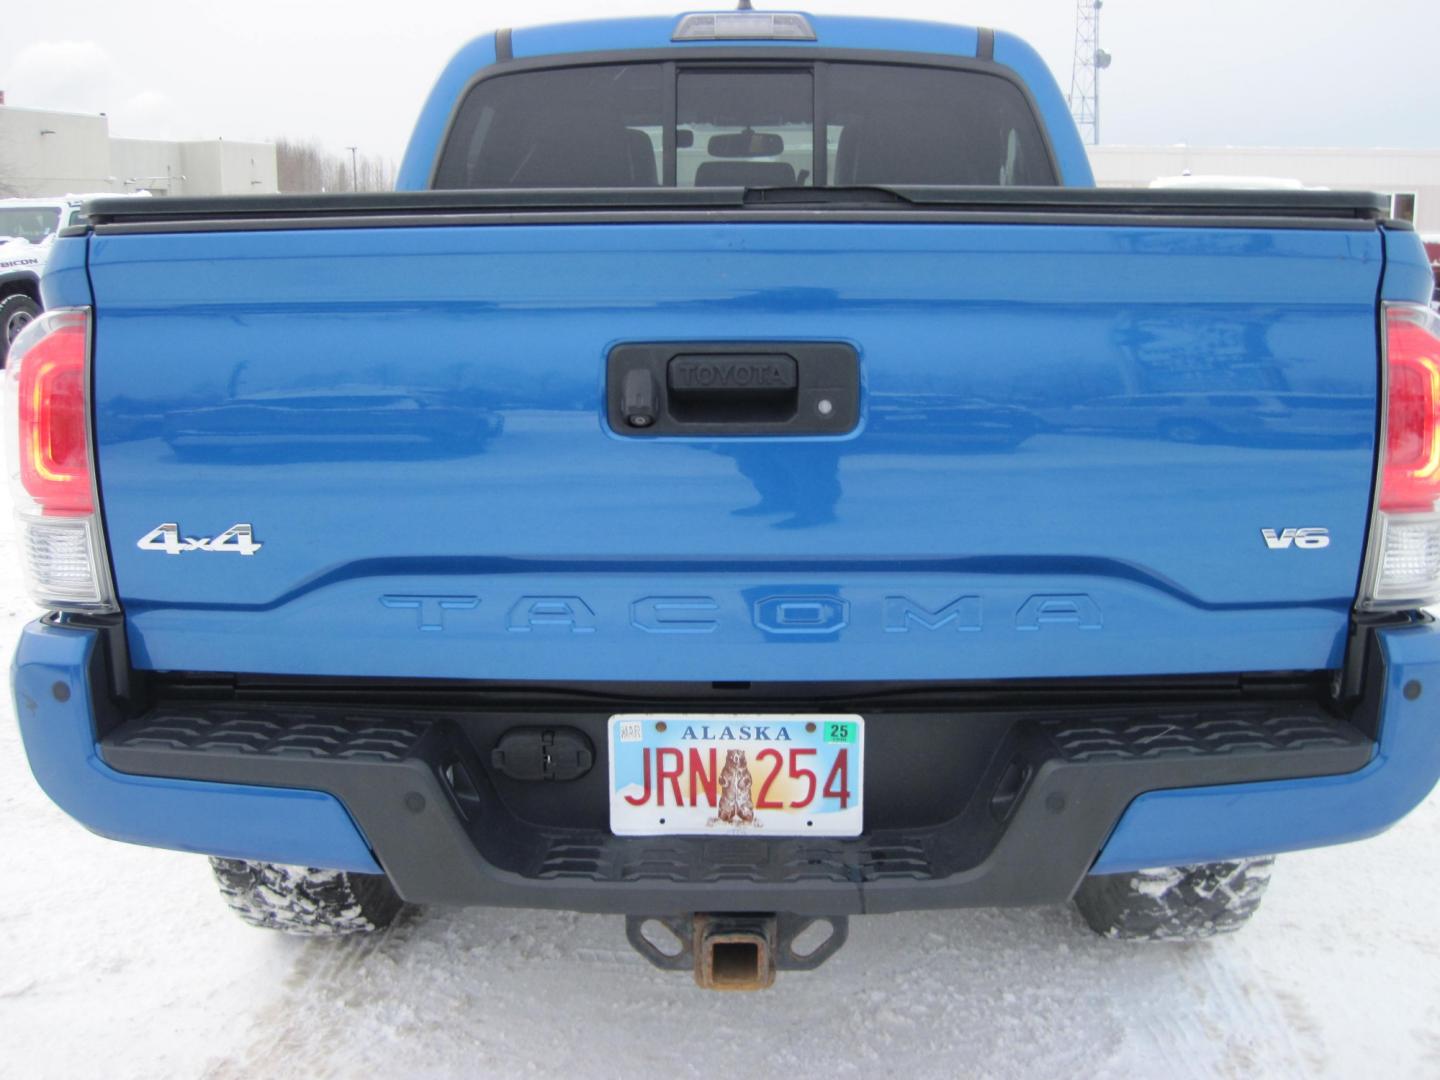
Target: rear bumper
1206, 824
61, 683
407, 793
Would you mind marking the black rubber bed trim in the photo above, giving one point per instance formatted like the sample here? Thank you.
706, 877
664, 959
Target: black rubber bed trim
1276, 209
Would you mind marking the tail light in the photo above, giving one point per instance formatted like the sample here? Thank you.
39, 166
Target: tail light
1403, 562
52, 482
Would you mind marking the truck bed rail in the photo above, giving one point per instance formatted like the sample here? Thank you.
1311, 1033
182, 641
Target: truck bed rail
1038, 205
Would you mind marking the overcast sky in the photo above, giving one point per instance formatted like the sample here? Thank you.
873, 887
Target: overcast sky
354, 72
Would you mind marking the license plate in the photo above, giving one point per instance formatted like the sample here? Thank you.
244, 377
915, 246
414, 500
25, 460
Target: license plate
736, 774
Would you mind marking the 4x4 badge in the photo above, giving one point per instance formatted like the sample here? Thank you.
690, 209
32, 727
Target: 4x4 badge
238, 540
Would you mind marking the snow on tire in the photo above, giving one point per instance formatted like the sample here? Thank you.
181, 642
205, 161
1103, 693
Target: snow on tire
1178, 903
299, 900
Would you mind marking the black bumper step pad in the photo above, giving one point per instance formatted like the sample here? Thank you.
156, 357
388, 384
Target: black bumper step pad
1051, 790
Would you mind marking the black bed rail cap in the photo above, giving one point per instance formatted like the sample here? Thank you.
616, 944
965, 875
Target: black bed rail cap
1351, 205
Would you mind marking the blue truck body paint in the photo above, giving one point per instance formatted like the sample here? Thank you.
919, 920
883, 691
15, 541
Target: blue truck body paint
1409, 277
348, 362
1209, 824
66, 282
304, 828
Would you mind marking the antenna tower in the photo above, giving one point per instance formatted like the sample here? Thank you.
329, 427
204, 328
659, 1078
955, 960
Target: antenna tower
1090, 60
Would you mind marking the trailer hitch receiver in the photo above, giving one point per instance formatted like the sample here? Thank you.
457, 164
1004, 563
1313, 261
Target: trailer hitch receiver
736, 951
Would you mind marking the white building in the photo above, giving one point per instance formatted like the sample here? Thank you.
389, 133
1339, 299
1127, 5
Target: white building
1410, 177
55, 153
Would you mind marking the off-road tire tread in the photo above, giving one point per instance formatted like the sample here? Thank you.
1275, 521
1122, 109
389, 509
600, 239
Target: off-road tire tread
306, 901
1181, 903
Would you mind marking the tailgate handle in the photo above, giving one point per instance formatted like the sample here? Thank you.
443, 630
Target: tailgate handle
739, 389
790, 388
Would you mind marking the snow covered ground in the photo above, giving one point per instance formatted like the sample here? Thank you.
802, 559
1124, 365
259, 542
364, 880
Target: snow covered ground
122, 961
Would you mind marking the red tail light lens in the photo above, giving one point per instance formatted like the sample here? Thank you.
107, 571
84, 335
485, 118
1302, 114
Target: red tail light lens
54, 455
60, 543
1410, 481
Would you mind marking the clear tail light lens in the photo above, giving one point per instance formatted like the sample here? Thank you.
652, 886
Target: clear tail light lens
52, 483
1403, 563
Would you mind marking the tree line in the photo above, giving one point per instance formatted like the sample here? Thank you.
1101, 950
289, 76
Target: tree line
304, 165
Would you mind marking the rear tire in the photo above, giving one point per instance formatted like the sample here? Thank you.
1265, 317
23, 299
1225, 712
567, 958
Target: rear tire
309, 902
1180, 903
17, 311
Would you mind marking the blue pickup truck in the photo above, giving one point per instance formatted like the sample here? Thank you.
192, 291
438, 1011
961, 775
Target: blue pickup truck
749, 476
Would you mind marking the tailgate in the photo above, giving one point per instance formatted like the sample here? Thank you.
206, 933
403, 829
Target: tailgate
1070, 442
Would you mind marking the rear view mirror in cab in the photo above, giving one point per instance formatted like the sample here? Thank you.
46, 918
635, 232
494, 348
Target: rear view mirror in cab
746, 144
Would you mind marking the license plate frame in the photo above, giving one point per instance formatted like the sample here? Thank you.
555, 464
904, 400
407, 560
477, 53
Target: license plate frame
782, 752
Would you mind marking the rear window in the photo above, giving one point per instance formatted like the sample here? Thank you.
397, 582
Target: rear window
773, 125
745, 129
